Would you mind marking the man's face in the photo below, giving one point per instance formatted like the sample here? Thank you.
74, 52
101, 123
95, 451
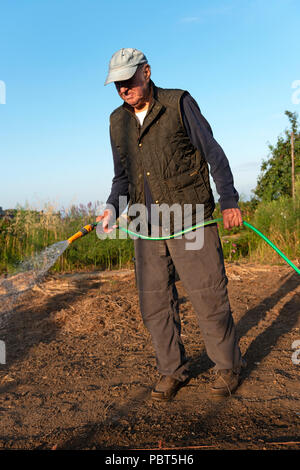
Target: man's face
135, 91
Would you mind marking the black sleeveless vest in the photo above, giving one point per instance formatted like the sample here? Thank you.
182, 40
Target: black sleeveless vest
160, 149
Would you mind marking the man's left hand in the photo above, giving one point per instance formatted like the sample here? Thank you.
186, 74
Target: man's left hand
232, 218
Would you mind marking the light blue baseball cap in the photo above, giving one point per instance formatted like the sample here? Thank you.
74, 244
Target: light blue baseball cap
123, 64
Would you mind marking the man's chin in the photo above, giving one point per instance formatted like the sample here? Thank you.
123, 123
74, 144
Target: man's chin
132, 103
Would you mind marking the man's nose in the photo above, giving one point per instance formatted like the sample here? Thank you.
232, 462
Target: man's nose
123, 89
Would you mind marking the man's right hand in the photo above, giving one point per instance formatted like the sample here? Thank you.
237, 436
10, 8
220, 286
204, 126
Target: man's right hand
107, 219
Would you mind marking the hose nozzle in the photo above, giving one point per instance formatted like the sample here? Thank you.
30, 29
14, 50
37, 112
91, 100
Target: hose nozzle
84, 231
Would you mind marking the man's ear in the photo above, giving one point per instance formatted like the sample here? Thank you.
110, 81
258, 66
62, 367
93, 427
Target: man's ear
147, 71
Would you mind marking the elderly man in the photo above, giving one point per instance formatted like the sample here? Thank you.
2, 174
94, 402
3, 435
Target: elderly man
162, 146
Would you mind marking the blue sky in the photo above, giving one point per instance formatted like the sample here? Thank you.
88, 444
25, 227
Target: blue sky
237, 58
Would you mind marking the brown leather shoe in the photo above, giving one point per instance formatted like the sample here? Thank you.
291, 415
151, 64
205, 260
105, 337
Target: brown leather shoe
166, 388
225, 384
227, 381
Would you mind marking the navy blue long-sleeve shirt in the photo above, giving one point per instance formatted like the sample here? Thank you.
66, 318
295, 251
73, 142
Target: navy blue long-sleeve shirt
201, 136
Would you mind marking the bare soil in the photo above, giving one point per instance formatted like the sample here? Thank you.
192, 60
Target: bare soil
80, 367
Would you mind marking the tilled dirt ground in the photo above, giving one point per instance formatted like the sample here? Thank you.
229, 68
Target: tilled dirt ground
80, 367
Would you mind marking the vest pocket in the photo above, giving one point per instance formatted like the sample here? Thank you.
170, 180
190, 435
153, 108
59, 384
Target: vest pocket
188, 188
183, 180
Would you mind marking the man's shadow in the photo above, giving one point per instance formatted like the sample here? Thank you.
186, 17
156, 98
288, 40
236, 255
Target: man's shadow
284, 322
261, 346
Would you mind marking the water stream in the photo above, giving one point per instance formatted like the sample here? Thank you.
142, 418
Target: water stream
30, 272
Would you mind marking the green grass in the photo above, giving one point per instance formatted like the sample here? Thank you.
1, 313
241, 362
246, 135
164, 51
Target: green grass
277, 220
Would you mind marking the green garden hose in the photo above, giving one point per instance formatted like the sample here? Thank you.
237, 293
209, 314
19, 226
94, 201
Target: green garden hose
170, 236
273, 246
212, 222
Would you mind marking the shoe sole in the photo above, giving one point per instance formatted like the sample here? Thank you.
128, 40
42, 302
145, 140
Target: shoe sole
161, 396
224, 393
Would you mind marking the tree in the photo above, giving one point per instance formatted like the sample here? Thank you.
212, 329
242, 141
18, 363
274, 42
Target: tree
275, 179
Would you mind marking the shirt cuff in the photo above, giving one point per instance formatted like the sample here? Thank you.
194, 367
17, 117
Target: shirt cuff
229, 204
